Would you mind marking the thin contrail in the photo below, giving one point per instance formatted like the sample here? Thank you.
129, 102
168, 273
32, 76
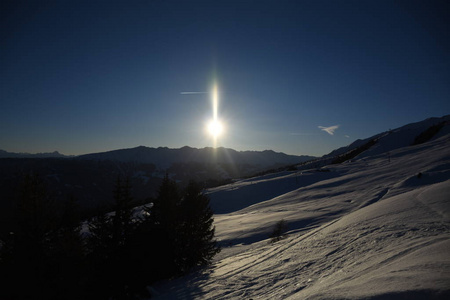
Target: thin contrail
193, 93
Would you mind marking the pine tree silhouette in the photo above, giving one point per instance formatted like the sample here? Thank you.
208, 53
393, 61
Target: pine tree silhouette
109, 243
66, 255
183, 229
197, 230
165, 220
122, 220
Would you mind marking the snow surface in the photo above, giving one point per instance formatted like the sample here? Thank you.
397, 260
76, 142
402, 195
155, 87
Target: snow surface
374, 228
396, 138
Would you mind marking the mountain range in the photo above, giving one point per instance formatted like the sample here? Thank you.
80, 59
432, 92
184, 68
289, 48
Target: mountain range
164, 157
90, 178
5, 154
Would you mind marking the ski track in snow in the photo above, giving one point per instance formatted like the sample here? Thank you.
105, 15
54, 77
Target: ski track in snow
366, 229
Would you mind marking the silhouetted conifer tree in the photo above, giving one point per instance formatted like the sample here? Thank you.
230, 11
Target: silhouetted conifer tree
109, 245
128, 254
165, 208
110, 231
196, 231
123, 223
66, 255
164, 220
183, 228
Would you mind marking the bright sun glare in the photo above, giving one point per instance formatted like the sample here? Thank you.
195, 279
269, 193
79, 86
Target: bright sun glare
215, 128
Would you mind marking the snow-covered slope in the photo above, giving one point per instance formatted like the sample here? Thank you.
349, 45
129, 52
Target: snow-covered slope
405, 136
374, 228
393, 139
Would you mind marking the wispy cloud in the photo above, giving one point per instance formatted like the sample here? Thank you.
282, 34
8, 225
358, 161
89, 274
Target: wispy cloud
330, 130
193, 93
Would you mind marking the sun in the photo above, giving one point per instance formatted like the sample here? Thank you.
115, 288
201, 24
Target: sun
215, 128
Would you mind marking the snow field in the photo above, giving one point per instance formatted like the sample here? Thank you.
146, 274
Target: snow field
368, 229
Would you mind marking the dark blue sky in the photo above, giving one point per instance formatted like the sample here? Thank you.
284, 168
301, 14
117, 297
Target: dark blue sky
88, 76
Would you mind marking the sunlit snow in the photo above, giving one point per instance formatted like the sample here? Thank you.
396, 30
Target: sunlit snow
375, 227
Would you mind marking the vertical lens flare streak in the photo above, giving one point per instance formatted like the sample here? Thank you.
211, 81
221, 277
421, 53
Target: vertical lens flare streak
215, 100
215, 104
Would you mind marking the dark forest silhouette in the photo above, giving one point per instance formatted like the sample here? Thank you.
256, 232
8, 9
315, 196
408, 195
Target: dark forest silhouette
46, 254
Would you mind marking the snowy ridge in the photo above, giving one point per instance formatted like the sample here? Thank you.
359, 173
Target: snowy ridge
393, 139
374, 228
